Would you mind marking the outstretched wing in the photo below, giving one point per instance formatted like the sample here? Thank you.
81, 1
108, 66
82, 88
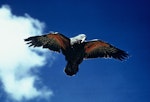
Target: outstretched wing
94, 49
54, 42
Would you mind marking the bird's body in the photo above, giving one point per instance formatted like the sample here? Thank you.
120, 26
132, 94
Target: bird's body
74, 57
76, 49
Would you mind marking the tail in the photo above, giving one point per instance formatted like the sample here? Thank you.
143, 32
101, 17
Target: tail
71, 69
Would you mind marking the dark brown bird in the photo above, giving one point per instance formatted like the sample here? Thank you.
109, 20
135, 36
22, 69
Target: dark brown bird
76, 49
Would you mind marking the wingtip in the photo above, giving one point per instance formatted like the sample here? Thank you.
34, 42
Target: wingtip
124, 56
29, 42
26, 39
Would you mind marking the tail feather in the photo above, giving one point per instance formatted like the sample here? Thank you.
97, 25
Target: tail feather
71, 69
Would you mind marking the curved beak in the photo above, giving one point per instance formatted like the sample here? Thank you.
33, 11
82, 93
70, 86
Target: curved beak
83, 39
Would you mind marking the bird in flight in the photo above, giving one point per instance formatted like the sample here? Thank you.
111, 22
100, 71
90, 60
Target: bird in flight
76, 49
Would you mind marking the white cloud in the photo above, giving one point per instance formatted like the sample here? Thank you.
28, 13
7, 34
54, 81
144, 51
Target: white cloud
16, 59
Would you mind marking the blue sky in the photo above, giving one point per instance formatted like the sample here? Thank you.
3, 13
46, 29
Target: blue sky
123, 23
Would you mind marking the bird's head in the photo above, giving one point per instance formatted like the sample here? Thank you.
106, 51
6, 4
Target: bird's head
78, 39
82, 37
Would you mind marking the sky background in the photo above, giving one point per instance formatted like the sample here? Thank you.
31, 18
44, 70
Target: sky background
123, 23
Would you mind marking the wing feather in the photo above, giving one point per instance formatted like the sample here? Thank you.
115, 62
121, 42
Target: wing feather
94, 49
54, 42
